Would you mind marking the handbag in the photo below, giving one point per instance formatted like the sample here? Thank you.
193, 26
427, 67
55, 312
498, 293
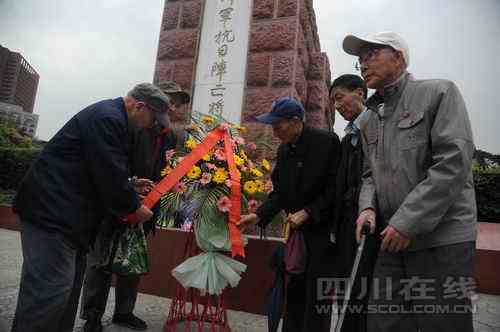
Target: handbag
295, 253
129, 252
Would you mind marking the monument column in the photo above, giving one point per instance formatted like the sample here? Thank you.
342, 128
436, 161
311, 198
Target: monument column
284, 57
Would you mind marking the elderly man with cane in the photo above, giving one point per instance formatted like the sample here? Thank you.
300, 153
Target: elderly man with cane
418, 190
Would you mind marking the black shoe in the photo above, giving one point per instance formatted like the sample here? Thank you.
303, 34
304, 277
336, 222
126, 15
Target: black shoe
131, 321
93, 325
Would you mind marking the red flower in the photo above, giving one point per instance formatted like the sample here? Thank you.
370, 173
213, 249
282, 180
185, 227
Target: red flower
219, 155
239, 140
224, 204
252, 146
206, 178
169, 154
224, 126
180, 187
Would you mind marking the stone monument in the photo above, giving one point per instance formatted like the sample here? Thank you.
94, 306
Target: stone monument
237, 56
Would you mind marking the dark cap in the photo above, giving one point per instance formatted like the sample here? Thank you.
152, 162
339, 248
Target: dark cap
172, 88
151, 95
283, 109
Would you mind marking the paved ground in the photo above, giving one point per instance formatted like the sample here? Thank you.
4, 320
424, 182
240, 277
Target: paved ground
154, 309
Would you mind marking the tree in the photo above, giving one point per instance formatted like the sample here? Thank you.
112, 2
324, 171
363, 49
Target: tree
485, 158
10, 136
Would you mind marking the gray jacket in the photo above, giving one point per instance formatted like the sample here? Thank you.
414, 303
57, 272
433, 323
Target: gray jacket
418, 162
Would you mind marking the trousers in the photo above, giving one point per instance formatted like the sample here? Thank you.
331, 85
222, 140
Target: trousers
51, 280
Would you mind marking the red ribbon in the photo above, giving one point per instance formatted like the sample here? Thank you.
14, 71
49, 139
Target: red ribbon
237, 247
168, 182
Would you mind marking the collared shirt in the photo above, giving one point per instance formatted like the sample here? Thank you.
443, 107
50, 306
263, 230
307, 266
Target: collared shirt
389, 90
353, 127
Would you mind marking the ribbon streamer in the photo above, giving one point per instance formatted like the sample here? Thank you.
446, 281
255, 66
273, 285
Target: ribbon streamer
168, 182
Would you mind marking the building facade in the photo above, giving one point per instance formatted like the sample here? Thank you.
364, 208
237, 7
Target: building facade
18, 80
24, 121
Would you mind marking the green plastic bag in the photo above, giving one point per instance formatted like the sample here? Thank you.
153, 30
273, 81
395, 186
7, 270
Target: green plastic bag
129, 252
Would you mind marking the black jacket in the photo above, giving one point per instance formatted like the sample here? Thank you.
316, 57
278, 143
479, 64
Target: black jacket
348, 181
346, 210
147, 158
147, 153
304, 178
81, 174
344, 228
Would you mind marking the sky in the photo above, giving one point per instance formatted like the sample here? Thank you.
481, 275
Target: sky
90, 50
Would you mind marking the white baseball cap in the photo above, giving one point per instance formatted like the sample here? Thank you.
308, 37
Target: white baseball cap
353, 45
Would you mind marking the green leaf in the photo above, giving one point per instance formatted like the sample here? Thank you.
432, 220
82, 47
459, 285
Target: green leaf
210, 224
169, 204
206, 200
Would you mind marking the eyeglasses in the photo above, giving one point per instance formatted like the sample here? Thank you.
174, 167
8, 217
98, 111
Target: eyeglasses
369, 55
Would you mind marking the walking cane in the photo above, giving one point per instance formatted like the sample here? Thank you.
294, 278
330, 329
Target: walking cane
364, 231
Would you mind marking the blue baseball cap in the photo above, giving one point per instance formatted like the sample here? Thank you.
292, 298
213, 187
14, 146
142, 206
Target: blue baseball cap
284, 108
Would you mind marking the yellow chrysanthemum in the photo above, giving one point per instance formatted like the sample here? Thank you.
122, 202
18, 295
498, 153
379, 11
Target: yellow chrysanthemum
255, 172
260, 185
190, 144
250, 187
192, 126
219, 177
207, 157
238, 161
208, 120
243, 155
194, 173
266, 165
240, 128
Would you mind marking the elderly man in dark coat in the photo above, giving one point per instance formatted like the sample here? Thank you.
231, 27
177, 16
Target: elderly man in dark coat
147, 158
81, 175
303, 186
348, 95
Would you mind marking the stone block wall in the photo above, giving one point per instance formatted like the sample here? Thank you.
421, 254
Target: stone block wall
176, 58
284, 58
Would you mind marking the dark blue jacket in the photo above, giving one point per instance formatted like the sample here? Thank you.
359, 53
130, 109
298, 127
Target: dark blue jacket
81, 174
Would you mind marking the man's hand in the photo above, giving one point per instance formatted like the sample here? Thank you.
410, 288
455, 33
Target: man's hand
297, 219
393, 240
247, 220
143, 214
365, 217
142, 186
